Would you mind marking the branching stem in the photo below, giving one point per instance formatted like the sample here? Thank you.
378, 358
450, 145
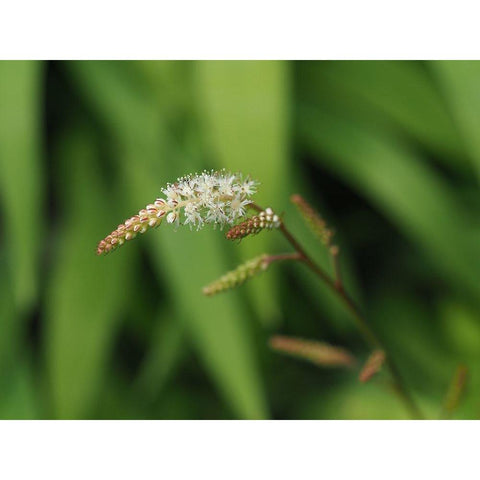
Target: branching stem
283, 256
370, 337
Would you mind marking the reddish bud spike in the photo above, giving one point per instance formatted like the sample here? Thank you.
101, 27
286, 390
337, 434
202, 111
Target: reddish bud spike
372, 366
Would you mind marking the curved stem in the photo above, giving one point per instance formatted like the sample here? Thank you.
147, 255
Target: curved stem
360, 321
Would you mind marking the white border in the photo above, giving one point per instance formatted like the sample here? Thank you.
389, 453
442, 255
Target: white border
239, 450
251, 29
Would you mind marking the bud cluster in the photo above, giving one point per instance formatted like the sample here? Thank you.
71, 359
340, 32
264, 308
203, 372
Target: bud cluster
319, 353
372, 366
238, 276
314, 220
149, 217
266, 220
219, 198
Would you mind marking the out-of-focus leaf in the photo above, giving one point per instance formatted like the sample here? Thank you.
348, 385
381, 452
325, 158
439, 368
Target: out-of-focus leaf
85, 293
21, 176
218, 327
170, 83
402, 91
460, 80
411, 338
353, 402
10, 323
402, 186
166, 350
461, 328
218, 324
244, 109
19, 399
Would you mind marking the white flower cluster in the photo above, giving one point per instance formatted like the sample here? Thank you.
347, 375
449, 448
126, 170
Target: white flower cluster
210, 197
213, 197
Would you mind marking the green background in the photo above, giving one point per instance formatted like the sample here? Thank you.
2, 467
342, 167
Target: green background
389, 152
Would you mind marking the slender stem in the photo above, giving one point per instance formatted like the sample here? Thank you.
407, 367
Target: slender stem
283, 256
340, 292
334, 251
362, 325
337, 287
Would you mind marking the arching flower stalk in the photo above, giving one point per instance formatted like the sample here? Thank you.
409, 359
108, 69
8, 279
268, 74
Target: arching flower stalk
222, 198
218, 198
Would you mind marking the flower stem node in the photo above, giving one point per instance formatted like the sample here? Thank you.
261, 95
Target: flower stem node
265, 220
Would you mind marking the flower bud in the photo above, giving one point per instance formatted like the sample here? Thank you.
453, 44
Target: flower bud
266, 220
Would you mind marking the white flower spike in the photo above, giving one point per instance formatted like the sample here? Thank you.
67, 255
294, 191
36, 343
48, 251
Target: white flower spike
216, 197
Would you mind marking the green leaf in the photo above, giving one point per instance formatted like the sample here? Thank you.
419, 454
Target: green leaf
356, 401
21, 176
11, 327
401, 185
19, 400
461, 328
410, 333
244, 110
402, 92
167, 349
460, 82
85, 294
186, 260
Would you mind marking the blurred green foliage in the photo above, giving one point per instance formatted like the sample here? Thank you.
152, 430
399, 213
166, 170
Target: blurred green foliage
389, 152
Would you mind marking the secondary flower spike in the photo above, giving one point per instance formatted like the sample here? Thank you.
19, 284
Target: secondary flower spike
372, 366
319, 353
313, 219
238, 276
219, 198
